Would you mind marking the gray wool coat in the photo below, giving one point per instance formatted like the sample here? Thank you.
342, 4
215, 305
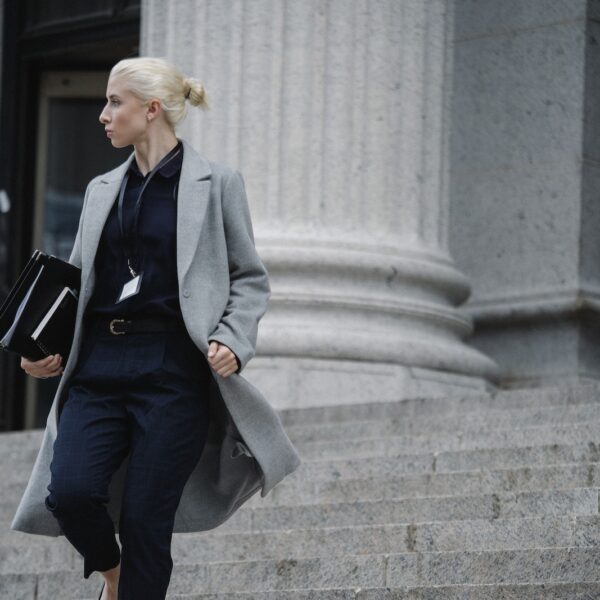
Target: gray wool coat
223, 292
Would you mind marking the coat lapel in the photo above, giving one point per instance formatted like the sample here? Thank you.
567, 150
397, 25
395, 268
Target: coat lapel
193, 195
192, 201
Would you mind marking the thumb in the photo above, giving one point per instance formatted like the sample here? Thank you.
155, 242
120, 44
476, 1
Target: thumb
212, 348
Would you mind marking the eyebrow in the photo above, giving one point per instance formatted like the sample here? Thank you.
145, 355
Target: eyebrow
112, 96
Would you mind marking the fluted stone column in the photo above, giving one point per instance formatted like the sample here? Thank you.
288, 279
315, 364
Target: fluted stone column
335, 112
526, 184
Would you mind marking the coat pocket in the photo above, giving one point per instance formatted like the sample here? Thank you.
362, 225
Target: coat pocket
240, 448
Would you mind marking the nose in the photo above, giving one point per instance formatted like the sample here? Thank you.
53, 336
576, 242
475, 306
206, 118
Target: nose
102, 118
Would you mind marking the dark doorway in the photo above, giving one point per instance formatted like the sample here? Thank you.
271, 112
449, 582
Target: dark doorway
55, 63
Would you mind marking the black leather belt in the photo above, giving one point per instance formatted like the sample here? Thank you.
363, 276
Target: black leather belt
141, 324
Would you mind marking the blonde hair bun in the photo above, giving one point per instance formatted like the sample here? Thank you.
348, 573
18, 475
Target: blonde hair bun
150, 77
194, 92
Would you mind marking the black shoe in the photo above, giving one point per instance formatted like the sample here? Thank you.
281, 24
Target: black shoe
101, 590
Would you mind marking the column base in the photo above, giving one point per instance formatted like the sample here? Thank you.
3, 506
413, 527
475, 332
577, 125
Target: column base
306, 382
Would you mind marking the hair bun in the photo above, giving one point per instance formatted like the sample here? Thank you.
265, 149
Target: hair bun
194, 91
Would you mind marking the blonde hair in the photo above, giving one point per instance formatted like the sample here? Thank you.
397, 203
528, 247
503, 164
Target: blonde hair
150, 77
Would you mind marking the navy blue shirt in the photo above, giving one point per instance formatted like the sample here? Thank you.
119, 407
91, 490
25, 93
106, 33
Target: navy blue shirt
157, 227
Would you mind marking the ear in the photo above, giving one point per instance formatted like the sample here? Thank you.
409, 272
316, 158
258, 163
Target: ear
154, 108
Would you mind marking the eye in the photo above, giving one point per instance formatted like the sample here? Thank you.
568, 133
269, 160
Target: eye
115, 102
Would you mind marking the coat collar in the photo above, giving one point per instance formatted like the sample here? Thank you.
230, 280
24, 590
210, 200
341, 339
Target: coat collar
167, 170
192, 201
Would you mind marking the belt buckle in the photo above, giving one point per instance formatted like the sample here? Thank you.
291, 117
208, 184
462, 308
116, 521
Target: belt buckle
111, 325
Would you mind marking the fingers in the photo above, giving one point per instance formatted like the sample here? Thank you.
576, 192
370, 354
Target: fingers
225, 368
50, 366
223, 361
226, 372
55, 370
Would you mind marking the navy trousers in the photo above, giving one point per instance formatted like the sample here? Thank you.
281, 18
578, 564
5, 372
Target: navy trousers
147, 392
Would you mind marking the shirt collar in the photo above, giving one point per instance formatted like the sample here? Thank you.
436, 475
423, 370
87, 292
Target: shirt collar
168, 170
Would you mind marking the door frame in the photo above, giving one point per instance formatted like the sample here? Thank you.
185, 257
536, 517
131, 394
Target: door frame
52, 84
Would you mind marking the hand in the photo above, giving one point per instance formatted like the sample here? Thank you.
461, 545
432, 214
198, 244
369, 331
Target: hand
43, 368
222, 359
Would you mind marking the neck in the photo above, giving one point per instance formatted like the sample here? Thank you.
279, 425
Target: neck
150, 150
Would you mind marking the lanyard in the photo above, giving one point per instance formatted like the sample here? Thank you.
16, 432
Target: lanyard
138, 204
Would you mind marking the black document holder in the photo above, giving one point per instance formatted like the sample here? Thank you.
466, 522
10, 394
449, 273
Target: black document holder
44, 279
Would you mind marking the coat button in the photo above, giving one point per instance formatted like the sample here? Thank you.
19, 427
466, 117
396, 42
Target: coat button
186, 293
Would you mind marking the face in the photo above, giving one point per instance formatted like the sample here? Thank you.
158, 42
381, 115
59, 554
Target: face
126, 116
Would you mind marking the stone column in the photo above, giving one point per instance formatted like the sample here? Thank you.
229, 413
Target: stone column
336, 114
525, 196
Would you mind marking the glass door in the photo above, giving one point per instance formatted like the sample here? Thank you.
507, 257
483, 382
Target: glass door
72, 149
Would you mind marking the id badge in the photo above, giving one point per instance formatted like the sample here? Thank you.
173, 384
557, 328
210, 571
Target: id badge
131, 288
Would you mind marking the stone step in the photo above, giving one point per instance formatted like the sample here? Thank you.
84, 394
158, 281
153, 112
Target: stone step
432, 493
447, 429
432, 424
294, 491
578, 501
299, 491
550, 502
319, 473
421, 449
13, 443
397, 570
445, 404
24, 445
210, 546
471, 534
447, 441
28, 555
18, 460
478, 459
425, 472
524, 591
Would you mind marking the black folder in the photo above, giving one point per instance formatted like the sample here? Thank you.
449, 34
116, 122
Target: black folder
37, 318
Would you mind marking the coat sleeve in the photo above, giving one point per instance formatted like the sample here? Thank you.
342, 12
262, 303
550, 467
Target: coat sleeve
249, 289
75, 258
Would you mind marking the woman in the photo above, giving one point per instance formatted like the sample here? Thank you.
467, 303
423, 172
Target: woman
151, 414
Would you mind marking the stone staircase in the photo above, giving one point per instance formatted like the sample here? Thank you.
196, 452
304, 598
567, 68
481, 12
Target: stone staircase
464, 497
